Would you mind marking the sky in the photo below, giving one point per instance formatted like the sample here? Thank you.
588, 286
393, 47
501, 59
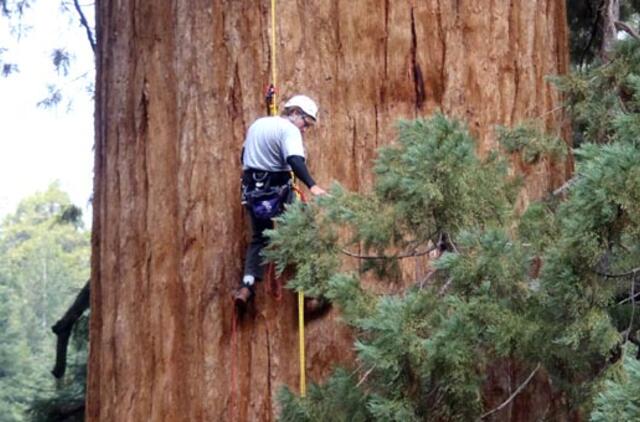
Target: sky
41, 145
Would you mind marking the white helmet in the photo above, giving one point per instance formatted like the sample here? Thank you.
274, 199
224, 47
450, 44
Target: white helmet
306, 104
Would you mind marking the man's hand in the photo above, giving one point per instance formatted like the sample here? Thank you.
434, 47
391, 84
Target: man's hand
317, 190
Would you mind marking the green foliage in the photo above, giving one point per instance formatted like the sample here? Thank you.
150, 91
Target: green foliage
531, 142
531, 288
620, 399
604, 100
44, 261
431, 176
417, 201
338, 400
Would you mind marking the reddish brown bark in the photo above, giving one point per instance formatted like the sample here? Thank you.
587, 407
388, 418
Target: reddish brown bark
177, 85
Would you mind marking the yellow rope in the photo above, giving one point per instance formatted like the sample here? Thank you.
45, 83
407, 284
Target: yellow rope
274, 111
303, 382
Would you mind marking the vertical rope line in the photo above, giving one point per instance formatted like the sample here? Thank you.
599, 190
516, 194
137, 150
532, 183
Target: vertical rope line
274, 73
274, 111
303, 382
234, 364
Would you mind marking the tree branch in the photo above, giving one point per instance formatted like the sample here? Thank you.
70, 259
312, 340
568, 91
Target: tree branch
401, 256
85, 24
63, 328
623, 26
512, 396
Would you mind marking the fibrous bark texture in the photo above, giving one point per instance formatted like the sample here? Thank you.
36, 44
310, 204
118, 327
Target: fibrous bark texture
179, 82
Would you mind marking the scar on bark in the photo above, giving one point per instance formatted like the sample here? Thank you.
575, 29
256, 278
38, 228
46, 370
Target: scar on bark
418, 79
64, 326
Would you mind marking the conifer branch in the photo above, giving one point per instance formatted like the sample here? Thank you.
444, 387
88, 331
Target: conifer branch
512, 396
401, 256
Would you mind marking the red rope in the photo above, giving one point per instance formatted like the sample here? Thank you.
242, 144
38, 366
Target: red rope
300, 194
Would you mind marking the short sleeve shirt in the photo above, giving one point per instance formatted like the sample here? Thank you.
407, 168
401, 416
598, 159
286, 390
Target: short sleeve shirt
269, 142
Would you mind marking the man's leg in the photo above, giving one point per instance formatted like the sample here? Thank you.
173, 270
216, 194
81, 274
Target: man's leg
253, 262
253, 267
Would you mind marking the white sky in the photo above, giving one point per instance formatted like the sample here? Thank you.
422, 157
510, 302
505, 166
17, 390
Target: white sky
42, 145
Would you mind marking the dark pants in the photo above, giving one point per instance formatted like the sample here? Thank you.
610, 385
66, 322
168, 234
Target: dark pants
253, 261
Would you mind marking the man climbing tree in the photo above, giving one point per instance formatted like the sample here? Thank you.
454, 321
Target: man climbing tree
272, 149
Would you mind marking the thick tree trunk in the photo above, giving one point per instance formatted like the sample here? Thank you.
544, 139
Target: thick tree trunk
177, 85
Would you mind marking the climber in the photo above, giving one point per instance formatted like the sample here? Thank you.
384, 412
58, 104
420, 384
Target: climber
273, 148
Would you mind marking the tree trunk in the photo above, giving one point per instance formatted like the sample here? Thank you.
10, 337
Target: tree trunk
179, 82
610, 14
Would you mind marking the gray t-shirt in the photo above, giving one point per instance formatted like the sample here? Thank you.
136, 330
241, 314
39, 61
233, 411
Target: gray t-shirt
269, 142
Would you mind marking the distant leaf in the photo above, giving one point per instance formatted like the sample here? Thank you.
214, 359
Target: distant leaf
8, 69
54, 98
61, 60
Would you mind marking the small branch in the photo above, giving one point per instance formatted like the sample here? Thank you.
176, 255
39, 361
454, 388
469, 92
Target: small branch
562, 189
402, 256
364, 377
553, 110
622, 26
515, 393
445, 287
430, 274
621, 275
633, 306
628, 299
85, 24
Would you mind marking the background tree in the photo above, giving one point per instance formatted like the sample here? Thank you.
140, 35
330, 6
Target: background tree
43, 261
590, 20
70, 78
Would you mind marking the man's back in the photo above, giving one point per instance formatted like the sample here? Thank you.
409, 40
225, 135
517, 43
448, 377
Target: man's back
269, 142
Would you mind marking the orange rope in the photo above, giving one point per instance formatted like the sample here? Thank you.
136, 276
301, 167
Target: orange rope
234, 362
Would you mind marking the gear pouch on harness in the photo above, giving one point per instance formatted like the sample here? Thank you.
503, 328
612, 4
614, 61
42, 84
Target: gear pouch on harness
265, 201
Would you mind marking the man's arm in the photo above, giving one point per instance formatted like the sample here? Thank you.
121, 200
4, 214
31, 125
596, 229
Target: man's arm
300, 170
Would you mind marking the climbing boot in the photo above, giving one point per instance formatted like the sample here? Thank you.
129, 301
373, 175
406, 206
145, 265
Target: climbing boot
241, 298
315, 306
